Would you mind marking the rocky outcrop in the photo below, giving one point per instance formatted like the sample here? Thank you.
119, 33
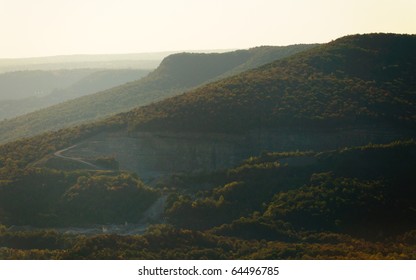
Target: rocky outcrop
154, 154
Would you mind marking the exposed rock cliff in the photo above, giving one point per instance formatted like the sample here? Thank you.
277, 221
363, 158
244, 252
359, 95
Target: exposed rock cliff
154, 154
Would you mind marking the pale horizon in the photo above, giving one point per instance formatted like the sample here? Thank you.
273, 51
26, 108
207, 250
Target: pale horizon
45, 28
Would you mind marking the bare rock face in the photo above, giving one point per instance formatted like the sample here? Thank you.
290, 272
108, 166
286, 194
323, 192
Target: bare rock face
155, 154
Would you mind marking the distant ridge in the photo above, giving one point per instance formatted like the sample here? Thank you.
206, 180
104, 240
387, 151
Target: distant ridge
321, 89
26, 91
145, 60
311, 156
176, 74
59, 62
355, 80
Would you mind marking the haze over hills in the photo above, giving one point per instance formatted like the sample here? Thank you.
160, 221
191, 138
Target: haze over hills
37, 83
109, 61
27, 91
319, 99
176, 74
309, 156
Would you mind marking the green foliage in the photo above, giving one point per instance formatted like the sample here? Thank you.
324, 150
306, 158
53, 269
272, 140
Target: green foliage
326, 87
32, 198
17, 155
340, 204
166, 242
243, 190
28, 240
107, 199
351, 203
58, 198
364, 191
107, 162
257, 227
176, 74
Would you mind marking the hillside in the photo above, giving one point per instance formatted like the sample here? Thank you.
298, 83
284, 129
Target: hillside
317, 100
353, 81
353, 203
176, 74
41, 89
308, 157
24, 84
302, 102
361, 191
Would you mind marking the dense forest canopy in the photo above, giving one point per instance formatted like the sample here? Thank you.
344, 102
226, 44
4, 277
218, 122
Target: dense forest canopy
362, 79
355, 202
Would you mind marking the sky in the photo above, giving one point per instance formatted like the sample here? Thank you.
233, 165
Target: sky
32, 28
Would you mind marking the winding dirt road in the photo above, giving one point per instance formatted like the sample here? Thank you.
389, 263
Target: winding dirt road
80, 160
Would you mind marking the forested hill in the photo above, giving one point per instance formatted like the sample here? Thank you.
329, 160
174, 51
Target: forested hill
176, 74
192, 69
349, 201
320, 88
352, 81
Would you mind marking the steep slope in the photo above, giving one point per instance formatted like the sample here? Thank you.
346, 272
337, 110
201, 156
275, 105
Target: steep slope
349, 203
266, 54
176, 74
353, 81
304, 102
362, 191
317, 100
60, 91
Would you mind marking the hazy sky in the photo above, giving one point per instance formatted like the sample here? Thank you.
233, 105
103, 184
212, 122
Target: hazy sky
51, 27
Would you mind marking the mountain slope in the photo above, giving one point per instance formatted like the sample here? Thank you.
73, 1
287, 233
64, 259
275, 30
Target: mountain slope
342, 200
354, 81
58, 91
176, 74
296, 103
361, 191
23, 84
